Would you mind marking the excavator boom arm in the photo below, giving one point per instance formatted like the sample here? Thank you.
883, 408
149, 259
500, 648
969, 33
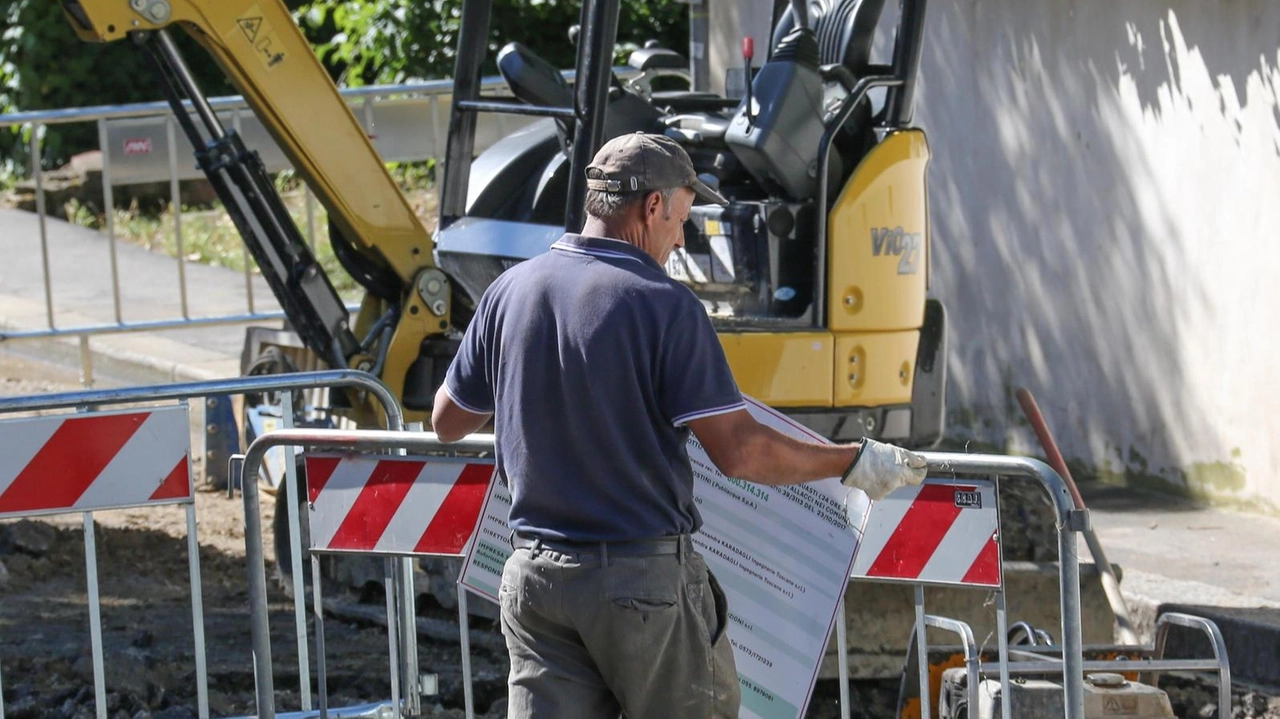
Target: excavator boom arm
268, 60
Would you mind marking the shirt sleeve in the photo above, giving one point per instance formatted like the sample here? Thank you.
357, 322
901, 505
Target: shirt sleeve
470, 380
695, 380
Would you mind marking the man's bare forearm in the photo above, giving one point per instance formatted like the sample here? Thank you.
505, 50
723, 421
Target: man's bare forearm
770, 457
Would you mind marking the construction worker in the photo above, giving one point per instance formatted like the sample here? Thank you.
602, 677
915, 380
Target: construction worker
596, 366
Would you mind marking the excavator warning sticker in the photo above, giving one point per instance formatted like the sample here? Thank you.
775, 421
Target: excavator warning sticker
257, 31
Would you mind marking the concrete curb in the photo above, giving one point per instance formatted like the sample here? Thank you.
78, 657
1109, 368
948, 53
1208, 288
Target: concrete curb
1250, 626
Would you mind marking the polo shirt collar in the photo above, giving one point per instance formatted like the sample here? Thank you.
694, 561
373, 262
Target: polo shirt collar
605, 248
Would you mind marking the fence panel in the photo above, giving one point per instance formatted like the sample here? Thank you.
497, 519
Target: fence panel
104, 460
395, 505
130, 458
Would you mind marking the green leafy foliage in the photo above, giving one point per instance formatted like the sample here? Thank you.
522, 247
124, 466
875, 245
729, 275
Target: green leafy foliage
390, 41
43, 65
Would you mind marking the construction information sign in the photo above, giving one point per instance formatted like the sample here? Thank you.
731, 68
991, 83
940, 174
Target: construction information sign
782, 555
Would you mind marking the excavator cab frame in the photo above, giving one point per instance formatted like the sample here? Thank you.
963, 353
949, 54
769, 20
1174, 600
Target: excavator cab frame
815, 275
821, 300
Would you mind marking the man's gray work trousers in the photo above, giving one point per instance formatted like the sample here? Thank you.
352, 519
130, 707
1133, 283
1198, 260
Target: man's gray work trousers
597, 632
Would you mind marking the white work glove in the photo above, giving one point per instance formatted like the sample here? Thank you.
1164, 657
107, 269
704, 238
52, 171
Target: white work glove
881, 468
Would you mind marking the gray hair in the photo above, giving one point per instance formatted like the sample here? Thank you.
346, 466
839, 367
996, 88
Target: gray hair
608, 205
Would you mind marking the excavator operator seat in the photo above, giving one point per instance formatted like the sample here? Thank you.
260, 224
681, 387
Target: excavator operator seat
845, 30
532, 79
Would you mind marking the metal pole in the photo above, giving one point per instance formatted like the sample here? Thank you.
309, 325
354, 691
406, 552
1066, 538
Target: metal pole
591, 95
367, 115
393, 630
108, 209
244, 249
95, 618
188, 82
464, 630
409, 636
699, 32
842, 658
409, 623
197, 615
86, 362
1072, 642
311, 216
175, 195
436, 130
260, 633
37, 174
922, 653
356, 379
293, 486
1002, 629
318, 609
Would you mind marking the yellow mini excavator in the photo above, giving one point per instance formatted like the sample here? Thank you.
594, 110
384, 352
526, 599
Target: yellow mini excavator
815, 274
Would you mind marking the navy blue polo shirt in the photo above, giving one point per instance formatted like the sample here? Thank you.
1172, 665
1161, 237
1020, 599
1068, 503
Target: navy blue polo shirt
593, 360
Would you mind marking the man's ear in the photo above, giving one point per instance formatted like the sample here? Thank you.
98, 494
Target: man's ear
651, 206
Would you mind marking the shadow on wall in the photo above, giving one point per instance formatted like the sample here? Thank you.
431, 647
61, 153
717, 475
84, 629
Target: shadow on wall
1062, 269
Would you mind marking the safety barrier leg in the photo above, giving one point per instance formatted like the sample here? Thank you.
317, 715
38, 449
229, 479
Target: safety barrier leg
197, 615
464, 630
95, 617
393, 631
409, 621
1002, 630
295, 548
922, 654
1072, 640
259, 631
322, 675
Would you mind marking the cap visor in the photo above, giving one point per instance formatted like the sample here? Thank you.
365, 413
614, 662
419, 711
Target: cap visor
706, 195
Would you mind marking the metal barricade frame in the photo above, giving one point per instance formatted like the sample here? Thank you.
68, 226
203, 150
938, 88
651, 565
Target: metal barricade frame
90, 543
350, 379
346, 440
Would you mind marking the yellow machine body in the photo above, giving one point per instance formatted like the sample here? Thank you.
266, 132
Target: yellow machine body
266, 57
876, 244
877, 247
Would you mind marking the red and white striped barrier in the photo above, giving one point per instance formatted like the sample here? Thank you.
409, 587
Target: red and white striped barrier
940, 532
87, 462
395, 505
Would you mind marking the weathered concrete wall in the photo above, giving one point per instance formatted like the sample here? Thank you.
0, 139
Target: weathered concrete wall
1103, 201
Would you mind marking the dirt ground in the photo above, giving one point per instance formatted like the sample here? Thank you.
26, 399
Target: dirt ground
46, 667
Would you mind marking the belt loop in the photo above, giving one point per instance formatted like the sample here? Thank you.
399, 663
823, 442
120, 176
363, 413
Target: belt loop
680, 540
604, 554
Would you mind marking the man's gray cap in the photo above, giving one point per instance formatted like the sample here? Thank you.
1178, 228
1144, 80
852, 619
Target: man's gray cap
643, 161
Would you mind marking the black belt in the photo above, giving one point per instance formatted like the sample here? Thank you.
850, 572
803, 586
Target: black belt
677, 544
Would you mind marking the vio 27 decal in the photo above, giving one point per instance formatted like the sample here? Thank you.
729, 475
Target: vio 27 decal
908, 247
